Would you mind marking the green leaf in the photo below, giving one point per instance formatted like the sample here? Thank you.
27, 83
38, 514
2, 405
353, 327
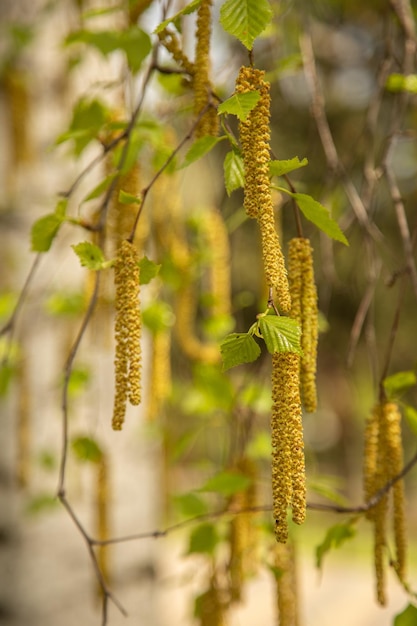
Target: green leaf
158, 316
190, 504
7, 371
400, 82
100, 188
187, 10
245, 19
200, 148
147, 270
88, 118
234, 174
227, 483
238, 348
319, 216
281, 334
136, 44
335, 537
203, 539
407, 618
240, 104
284, 166
86, 449
44, 231
65, 303
41, 504
398, 383
78, 380
128, 198
90, 255
410, 414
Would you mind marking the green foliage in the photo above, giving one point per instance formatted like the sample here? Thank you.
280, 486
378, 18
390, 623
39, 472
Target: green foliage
88, 118
245, 19
234, 173
281, 334
190, 505
78, 381
335, 537
158, 316
147, 270
401, 82
86, 449
100, 188
46, 228
203, 539
63, 303
134, 42
128, 198
200, 148
285, 166
240, 104
399, 383
408, 617
42, 503
90, 255
238, 348
410, 414
226, 483
176, 19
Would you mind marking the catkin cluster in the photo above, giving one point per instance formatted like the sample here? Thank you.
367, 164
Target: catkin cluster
219, 279
160, 381
170, 41
102, 515
383, 459
286, 584
127, 332
288, 465
255, 139
304, 309
209, 122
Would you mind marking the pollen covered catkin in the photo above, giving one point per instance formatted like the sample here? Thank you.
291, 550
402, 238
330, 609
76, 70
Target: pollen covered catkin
304, 309
209, 122
286, 584
102, 515
219, 279
383, 460
288, 466
255, 138
127, 332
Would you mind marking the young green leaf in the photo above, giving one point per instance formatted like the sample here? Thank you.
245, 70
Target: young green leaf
319, 216
408, 617
78, 380
199, 149
86, 449
128, 198
44, 231
226, 483
238, 348
398, 383
234, 175
245, 19
88, 118
203, 539
284, 166
190, 504
158, 316
90, 255
148, 270
281, 334
136, 44
187, 10
65, 303
100, 188
240, 104
42, 503
335, 536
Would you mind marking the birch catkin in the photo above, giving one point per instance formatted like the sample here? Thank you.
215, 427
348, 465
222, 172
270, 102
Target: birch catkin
208, 123
304, 309
288, 466
127, 332
255, 138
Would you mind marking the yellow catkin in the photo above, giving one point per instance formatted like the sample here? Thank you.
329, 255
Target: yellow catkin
304, 309
160, 381
220, 279
127, 332
286, 584
255, 139
102, 515
210, 608
18, 102
209, 123
243, 535
288, 467
383, 459
170, 41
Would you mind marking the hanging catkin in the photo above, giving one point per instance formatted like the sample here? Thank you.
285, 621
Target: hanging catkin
383, 460
209, 606
255, 138
127, 332
288, 467
304, 310
286, 584
170, 41
102, 515
160, 380
220, 280
209, 122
